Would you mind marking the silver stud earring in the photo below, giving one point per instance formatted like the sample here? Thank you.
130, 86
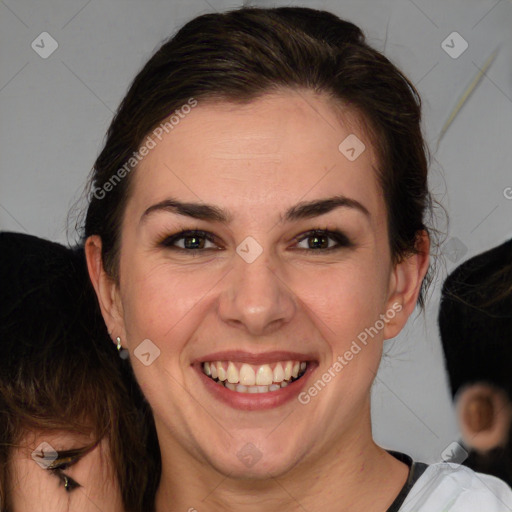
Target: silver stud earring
123, 353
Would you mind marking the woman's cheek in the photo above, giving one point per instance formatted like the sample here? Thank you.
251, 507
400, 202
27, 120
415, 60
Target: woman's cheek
155, 305
339, 293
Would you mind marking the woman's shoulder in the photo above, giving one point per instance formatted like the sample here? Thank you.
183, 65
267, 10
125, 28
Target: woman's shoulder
447, 486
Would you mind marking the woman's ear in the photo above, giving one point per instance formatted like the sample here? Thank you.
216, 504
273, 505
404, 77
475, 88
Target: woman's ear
405, 285
484, 414
106, 288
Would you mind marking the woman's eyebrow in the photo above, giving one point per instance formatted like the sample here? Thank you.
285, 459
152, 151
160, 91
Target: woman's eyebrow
70, 457
309, 209
302, 210
195, 210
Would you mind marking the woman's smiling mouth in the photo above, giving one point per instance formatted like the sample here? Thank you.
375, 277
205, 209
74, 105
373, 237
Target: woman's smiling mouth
252, 382
246, 378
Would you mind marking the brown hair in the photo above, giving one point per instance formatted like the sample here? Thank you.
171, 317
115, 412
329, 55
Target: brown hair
243, 54
60, 370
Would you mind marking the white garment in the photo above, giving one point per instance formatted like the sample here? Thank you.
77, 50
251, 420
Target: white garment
448, 487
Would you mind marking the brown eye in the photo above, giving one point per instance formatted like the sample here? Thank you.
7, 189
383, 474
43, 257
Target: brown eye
193, 242
323, 240
318, 242
190, 241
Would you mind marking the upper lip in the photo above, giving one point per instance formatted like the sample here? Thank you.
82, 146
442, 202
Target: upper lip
252, 358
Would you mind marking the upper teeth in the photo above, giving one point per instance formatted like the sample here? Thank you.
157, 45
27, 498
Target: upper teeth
249, 375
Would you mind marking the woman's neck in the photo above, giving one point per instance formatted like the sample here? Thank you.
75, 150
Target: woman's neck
356, 476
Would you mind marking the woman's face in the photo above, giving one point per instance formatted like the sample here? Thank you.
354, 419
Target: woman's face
286, 264
91, 484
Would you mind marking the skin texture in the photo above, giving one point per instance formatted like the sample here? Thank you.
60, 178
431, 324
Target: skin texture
38, 489
256, 161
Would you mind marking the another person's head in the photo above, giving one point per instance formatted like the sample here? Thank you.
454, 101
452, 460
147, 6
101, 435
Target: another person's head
475, 322
257, 224
71, 437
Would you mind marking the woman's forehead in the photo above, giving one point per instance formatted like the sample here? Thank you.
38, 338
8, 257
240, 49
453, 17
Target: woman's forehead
278, 145
275, 126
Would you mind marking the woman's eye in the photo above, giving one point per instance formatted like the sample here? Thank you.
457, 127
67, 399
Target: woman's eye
191, 240
320, 239
68, 483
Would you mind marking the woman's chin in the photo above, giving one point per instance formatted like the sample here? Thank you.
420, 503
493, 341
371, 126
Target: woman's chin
256, 460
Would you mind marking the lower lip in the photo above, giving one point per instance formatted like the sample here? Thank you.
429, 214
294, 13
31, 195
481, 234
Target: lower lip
255, 401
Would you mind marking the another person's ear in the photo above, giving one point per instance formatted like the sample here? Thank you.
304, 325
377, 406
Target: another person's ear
405, 285
484, 414
106, 288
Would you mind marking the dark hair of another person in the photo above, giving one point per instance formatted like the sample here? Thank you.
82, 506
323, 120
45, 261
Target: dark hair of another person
60, 371
475, 320
240, 55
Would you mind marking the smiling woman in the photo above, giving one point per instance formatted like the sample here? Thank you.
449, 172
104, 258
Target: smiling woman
281, 221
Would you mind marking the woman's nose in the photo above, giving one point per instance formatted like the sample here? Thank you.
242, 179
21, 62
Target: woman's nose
256, 296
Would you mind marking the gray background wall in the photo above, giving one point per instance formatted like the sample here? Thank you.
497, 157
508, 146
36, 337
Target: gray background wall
55, 111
